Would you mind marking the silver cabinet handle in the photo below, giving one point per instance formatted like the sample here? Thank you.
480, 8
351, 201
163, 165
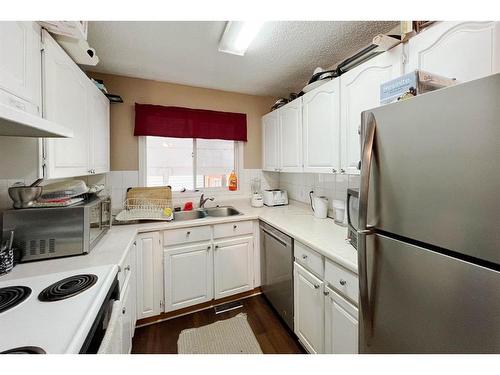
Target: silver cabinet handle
124, 310
216, 247
188, 233
342, 170
326, 292
334, 170
235, 226
209, 247
127, 268
316, 286
135, 243
304, 256
342, 282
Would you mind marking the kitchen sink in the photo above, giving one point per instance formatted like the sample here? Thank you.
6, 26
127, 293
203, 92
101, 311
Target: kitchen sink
207, 212
190, 215
222, 211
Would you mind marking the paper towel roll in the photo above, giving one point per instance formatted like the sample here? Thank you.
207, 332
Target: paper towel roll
79, 50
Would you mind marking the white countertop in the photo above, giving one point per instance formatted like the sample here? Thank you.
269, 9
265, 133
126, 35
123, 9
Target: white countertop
296, 220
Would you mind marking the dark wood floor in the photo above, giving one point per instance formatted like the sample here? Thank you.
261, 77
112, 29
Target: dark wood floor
272, 334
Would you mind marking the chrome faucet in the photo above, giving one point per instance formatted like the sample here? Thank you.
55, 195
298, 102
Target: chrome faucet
204, 200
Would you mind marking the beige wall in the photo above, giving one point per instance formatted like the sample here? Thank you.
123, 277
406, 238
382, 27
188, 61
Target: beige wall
124, 146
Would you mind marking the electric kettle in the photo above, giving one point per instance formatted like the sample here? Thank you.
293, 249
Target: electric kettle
319, 205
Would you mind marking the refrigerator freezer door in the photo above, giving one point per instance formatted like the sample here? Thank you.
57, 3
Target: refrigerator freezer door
421, 301
434, 173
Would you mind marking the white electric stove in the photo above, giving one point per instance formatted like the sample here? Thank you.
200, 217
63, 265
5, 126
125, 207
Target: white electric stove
57, 313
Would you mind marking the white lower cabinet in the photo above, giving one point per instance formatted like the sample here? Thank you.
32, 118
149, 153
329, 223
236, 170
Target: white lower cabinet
188, 275
308, 309
341, 324
149, 275
233, 266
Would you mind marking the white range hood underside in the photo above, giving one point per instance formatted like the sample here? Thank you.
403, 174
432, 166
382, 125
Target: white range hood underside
16, 123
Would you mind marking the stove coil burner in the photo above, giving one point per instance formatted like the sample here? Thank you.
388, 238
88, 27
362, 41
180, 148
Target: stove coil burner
25, 350
12, 296
66, 288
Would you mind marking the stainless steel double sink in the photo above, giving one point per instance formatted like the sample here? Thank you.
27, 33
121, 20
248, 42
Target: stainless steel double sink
206, 212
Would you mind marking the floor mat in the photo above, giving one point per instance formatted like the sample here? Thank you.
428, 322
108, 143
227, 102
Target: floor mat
230, 336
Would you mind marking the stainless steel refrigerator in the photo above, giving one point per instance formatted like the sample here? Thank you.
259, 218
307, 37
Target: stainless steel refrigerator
429, 223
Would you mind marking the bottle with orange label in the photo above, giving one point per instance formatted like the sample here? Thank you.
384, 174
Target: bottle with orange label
233, 181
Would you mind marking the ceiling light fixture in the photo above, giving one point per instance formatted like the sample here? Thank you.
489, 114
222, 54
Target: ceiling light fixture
238, 35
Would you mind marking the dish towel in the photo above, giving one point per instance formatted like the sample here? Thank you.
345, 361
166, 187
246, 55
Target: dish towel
112, 340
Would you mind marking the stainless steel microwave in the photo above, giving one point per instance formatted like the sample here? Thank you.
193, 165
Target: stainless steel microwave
352, 216
44, 233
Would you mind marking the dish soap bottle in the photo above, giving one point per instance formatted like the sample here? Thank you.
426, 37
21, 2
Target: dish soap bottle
233, 182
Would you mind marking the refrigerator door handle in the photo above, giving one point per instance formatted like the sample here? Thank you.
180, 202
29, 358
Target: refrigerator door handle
368, 131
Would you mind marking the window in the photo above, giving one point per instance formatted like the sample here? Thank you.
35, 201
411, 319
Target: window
191, 164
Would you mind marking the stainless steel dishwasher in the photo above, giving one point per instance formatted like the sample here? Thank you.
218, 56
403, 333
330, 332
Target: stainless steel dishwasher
277, 270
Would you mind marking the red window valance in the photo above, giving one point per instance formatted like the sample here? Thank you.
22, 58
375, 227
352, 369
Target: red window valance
178, 122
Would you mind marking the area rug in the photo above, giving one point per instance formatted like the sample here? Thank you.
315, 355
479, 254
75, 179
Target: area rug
230, 336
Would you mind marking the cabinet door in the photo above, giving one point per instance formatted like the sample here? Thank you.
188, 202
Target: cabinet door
341, 325
233, 266
20, 65
461, 50
66, 103
270, 142
188, 275
321, 124
99, 127
126, 321
290, 131
308, 309
360, 90
149, 275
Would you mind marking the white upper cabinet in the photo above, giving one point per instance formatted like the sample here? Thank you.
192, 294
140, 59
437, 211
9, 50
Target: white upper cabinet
99, 127
188, 275
233, 266
270, 142
461, 50
321, 128
290, 130
66, 102
20, 66
71, 99
360, 90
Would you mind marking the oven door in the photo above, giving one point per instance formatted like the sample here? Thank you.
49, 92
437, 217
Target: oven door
107, 320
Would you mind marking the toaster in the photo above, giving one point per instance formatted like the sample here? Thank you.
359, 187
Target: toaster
275, 197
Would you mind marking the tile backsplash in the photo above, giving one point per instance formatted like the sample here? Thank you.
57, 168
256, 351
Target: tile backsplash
332, 186
298, 185
117, 182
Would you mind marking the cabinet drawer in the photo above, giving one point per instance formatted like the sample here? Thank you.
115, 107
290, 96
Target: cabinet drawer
233, 229
185, 235
342, 280
308, 258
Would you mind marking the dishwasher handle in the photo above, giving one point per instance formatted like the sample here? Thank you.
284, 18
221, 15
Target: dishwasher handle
274, 236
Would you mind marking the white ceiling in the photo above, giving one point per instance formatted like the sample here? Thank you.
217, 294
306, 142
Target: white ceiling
280, 60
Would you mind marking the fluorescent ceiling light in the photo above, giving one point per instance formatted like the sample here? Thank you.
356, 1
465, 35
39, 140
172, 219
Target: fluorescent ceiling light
238, 35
